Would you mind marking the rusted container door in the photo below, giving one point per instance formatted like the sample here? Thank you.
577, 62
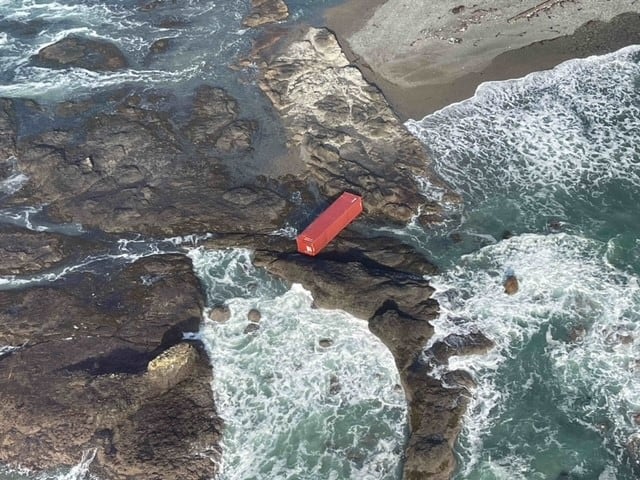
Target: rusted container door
329, 224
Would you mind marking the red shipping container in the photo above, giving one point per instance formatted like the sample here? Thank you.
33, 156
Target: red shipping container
329, 224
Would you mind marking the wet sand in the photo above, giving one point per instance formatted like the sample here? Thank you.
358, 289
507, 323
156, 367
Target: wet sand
420, 68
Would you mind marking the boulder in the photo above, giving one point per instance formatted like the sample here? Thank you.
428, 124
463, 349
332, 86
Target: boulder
220, 313
77, 52
254, 315
511, 285
172, 366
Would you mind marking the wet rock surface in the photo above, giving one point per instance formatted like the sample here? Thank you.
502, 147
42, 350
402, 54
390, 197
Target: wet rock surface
131, 170
78, 52
266, 11
383, 282
25, 251
101, 368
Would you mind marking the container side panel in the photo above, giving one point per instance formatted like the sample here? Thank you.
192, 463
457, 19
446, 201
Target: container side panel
329, 223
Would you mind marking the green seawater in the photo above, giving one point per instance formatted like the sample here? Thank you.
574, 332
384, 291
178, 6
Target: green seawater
549, 167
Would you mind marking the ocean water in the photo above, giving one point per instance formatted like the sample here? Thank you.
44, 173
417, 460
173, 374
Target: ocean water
549, 167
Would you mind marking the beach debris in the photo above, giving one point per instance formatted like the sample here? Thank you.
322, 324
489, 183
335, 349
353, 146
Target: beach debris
536, 10
457, 10
329, 223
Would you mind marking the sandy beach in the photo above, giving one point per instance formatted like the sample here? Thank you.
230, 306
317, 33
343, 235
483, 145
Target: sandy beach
424, 56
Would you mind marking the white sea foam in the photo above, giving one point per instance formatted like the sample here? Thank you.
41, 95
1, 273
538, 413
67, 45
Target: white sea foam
77, 472
569, 130
197, 52
567, 289
292, 407
13, 183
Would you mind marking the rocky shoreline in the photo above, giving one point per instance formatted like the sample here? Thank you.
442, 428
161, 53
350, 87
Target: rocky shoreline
99, 363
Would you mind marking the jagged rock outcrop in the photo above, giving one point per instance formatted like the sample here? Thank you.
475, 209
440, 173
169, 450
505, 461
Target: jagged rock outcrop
266, 11
130, 169
343, 131
78, 52
101, 368
474, 343
358, 286
381, 280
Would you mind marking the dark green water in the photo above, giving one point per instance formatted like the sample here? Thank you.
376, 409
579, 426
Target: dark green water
549, 167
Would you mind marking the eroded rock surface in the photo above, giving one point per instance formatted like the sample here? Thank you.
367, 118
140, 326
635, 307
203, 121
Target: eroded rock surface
132, 170
101, 367
266, 11
343, 131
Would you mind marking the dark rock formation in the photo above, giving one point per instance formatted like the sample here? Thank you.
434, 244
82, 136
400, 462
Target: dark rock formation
266, 11
343, 131
382, 281
214, 122
359, 286
435, 412
101, 367
131, 170
474, 343
403, 334
79, 52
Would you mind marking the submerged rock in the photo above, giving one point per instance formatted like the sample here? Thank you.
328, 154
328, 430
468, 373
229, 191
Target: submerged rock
251, 328
77, 52
475, 343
